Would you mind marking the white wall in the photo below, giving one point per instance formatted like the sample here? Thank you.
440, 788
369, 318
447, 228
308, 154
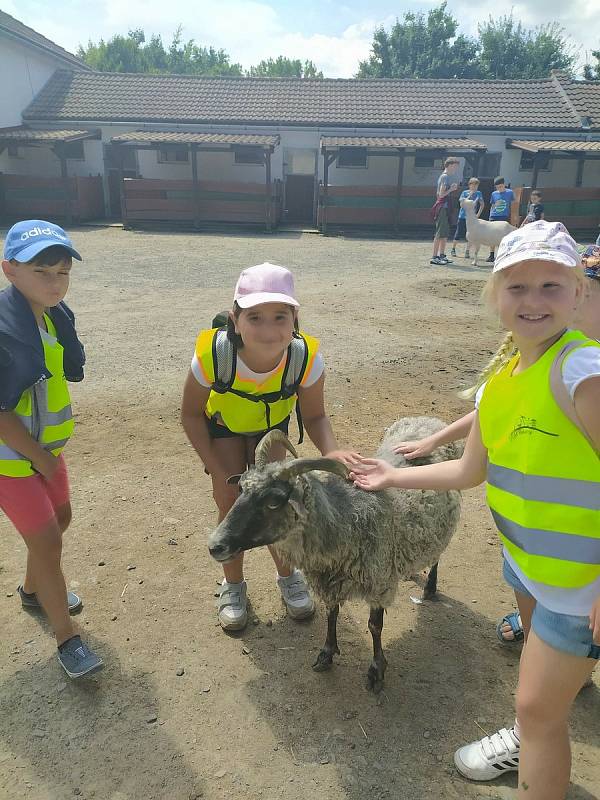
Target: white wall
24, 70
40, 160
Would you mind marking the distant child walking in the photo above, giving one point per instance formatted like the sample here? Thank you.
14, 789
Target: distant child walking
441, 210
542, 468
472, 193
500, 202
244, 380
39, 353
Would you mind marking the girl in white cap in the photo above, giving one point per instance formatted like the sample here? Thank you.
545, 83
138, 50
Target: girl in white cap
244, 380
542, 467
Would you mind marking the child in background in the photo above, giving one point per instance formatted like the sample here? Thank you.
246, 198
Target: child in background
225, 422
535, 208
500, 203
39, 352
472, 193
544, 493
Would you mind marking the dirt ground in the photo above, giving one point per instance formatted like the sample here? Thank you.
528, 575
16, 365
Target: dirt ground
248, 718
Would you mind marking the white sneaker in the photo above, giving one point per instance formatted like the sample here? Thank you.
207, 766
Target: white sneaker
232, 611
296, 596
489, 757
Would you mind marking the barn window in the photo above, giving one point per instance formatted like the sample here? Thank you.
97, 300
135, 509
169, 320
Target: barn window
247, 154
13, 151
527, 160
352, 157
74, 150
173, 155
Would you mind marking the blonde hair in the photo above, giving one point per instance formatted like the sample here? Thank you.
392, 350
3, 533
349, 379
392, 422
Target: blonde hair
474, 180
501, 357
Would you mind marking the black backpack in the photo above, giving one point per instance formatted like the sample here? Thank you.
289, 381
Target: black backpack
224, 357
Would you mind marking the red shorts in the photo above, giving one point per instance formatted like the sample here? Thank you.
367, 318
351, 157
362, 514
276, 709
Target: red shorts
30, 503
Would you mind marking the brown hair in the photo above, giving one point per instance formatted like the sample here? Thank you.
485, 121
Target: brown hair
450, 161
51, 256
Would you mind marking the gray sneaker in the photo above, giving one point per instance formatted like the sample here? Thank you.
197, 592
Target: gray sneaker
232, 611
77, 659
296, 596
74, 602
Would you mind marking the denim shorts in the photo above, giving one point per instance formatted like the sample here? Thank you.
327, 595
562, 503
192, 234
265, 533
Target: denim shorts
561, 631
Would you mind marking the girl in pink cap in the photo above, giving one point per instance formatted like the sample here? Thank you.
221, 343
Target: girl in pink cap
536, 441
245, 379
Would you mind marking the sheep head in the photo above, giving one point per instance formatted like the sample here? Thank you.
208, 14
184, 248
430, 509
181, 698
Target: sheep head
271, 501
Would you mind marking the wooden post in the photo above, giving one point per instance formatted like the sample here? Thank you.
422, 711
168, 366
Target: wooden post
59, 150
195, 188
399, 189
579, 177
120, 154
536, 170
328, 159
268, 191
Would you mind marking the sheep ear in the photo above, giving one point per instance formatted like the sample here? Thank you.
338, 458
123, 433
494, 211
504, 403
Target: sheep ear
296, 502
233, 479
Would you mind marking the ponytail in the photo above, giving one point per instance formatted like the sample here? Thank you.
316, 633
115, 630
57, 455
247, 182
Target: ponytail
502, 356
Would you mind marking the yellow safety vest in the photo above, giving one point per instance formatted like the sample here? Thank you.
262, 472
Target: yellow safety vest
543, 478
44, 409
248, 407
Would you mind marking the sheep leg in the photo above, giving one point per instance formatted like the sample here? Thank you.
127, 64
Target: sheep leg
330, 648
376, 671
430, 590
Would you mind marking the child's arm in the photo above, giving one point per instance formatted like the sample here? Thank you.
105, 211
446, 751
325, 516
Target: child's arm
587, 406
423, 447
317, 423
463, 473
193, 419
17, 437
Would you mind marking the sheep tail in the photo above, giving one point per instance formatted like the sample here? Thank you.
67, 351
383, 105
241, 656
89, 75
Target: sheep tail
501, 357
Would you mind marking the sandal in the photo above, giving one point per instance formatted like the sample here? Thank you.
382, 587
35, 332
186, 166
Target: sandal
514, 620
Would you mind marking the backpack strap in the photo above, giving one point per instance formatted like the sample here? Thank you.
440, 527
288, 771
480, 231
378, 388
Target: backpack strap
224, 355
561, 394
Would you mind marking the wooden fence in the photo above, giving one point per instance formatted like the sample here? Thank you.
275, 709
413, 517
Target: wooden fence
150, 199
30, 196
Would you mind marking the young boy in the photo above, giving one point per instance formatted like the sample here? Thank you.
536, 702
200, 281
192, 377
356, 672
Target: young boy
472, 193
500, 203
535, 209
445, 186
39, 352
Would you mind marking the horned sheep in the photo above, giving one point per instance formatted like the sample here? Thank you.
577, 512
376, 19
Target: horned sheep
350, 544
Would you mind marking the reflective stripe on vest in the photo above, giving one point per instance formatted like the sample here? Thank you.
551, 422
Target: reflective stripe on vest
44, 409
238, 413
543, 476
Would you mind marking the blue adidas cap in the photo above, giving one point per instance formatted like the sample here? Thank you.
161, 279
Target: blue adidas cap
28, 238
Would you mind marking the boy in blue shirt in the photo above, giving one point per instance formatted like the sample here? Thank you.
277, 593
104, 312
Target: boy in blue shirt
500, 203
472, 193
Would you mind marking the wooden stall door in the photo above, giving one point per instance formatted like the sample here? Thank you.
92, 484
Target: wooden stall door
300, 197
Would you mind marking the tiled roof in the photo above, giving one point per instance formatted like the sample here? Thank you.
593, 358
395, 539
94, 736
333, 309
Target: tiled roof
11, 26
23, 135
545, 146
585, 98
403, 142
423, 103
176, 137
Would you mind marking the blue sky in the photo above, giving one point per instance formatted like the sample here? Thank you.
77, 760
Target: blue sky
335, 34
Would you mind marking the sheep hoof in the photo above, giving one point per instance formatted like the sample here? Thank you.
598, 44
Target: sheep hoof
324, 660
375, 675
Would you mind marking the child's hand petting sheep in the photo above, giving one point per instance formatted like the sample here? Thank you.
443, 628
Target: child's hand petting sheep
347, 457
373, 474
418, 449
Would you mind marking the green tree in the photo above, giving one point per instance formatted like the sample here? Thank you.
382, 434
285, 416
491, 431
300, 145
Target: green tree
132, 53
591, 72
508, 50
422, 46
283, 67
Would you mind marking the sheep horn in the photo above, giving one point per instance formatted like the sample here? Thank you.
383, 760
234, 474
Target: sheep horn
261, 455
301, 465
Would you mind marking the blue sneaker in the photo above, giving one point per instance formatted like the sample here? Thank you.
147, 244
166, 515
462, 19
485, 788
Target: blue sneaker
77, 659
74, 602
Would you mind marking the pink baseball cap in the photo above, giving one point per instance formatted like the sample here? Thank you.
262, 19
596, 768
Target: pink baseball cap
265, 283
538, 241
